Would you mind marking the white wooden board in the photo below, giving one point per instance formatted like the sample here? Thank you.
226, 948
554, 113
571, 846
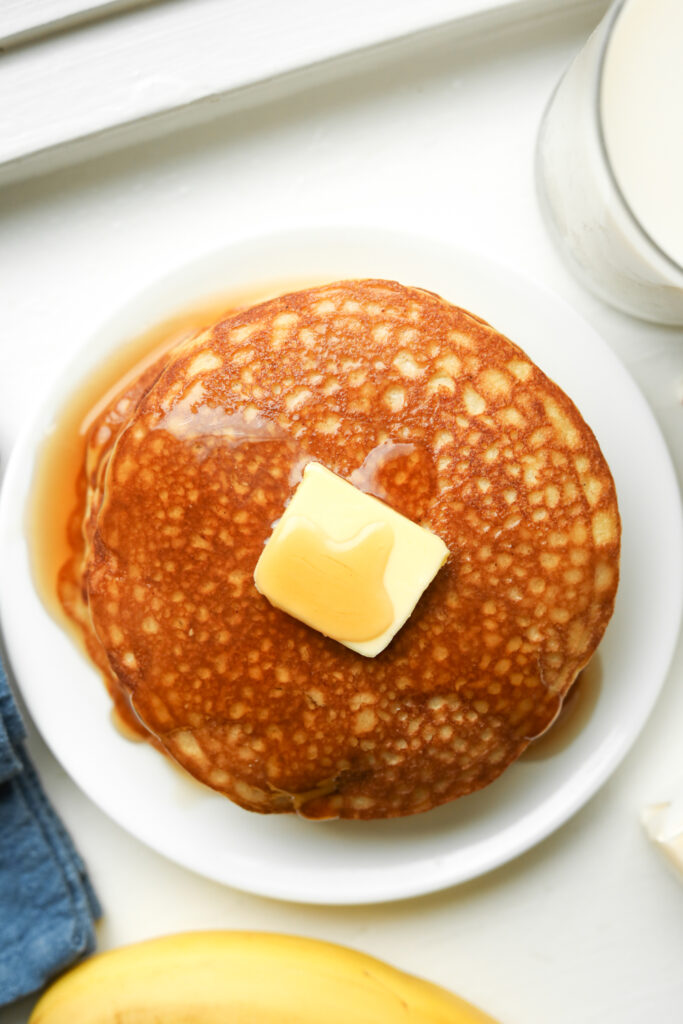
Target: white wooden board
144, 61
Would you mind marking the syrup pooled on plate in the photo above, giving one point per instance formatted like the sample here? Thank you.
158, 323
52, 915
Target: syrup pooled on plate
59, 472
98, 405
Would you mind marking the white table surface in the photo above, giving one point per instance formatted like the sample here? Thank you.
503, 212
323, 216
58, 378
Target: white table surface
435, 133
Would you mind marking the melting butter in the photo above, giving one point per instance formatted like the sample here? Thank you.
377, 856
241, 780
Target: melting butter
335, 586
346, 563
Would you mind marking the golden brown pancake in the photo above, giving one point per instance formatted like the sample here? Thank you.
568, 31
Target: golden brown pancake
107, 419
70, 584
430, 409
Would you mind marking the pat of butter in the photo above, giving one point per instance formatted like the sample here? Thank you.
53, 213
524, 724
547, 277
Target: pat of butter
663, 823
346, 564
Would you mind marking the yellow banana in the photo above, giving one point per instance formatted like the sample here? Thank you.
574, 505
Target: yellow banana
223, 977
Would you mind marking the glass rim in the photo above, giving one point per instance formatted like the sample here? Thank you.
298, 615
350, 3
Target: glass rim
612, 17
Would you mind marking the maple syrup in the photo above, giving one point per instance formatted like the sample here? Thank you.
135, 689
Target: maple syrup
575, 713
58, 490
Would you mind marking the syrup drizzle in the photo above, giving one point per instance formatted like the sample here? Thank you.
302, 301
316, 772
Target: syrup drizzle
574, 715
57, 490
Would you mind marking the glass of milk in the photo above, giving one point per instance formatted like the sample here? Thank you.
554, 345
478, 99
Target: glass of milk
610, 160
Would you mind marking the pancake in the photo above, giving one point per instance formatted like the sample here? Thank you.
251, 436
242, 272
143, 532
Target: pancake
70, 583
106, 420
428, 408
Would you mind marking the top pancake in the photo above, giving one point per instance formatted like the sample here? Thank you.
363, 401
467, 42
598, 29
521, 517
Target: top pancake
428, 408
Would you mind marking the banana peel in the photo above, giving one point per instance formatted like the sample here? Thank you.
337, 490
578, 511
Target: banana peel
234, 977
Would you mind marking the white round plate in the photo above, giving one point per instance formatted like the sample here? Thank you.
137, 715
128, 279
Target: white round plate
346, 861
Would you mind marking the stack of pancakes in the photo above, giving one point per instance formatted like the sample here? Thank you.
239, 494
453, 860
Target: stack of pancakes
422, 405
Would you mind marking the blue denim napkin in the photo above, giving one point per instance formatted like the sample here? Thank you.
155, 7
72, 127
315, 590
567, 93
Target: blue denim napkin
47, 905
